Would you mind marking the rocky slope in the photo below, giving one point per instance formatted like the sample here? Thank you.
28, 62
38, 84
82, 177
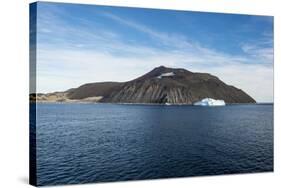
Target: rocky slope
161, 85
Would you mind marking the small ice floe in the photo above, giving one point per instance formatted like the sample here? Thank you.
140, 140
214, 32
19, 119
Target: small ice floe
210, 102
166, 75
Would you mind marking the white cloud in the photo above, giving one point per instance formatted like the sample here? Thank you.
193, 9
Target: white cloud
176, 40
257, 52
74, 68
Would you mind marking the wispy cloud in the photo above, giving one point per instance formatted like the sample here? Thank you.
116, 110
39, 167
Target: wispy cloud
262, 49
70, 55
170, 39
264, 54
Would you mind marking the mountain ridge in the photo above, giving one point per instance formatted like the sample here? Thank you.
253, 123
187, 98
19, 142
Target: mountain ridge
160, 85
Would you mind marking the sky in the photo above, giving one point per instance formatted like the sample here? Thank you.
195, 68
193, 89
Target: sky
78, 44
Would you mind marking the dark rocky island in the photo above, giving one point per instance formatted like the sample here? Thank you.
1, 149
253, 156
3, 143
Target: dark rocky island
161, 85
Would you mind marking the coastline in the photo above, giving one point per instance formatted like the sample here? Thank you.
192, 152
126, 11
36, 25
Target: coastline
158, 104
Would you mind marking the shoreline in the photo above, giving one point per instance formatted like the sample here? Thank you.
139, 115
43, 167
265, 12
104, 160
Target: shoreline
160, 104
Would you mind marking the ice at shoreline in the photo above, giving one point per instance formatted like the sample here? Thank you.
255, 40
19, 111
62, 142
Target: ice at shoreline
210, 102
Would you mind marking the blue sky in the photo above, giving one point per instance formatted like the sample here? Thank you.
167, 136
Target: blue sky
78, 44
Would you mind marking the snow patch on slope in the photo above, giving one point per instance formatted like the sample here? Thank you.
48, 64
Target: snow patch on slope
168, 74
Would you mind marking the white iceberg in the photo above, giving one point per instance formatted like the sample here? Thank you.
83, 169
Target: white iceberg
210, 102
166, 75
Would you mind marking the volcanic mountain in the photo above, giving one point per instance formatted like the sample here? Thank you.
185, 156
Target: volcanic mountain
161, 85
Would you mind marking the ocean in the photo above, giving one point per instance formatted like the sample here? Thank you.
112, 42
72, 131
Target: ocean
83, 143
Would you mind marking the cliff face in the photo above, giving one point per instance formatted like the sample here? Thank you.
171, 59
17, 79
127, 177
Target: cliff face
166, 85
162, 85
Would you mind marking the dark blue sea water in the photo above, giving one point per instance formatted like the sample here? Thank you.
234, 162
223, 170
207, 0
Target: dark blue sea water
82, 143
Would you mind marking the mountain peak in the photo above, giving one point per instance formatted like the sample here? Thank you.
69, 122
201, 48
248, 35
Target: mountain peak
158, 71
164, 68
